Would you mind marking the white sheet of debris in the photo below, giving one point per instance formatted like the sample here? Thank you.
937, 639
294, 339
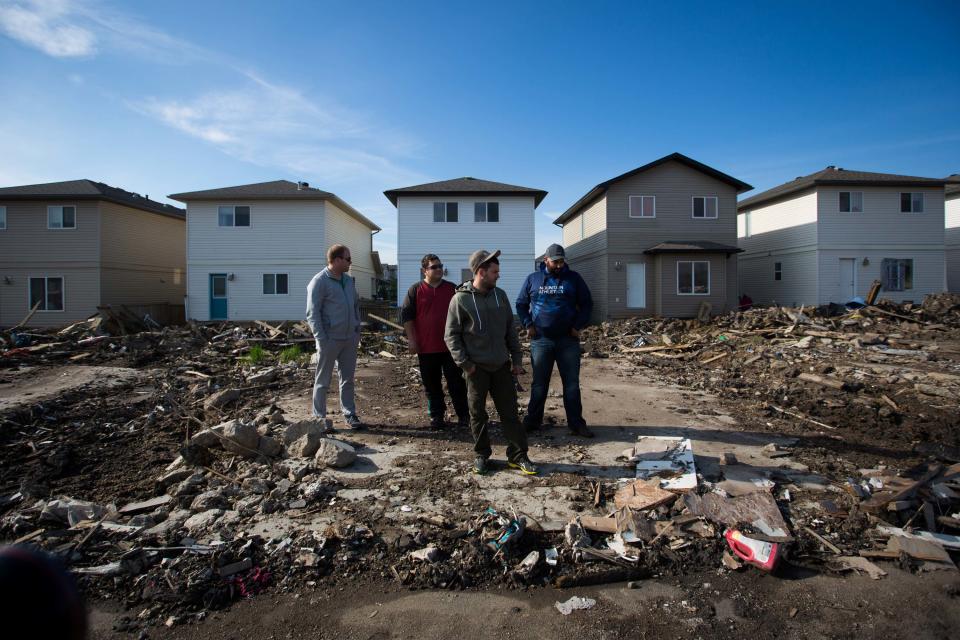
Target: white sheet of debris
667, 457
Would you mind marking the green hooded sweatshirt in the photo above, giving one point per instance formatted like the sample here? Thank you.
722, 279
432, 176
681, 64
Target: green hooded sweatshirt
480, 329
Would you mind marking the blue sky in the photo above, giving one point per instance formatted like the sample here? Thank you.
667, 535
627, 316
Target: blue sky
365, 96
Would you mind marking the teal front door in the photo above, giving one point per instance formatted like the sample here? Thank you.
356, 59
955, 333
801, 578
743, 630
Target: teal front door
218, 296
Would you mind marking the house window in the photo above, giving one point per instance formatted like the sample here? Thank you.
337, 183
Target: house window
911, 202
778, 271
693, 278
47, 293
61, 218
234, 216
3, 218
486, 212
445, 212
851, 201
275, 284
643, 206
897, 274
704, 207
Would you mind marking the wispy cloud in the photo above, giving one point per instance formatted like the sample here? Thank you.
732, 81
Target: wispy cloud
273, 125
47, 25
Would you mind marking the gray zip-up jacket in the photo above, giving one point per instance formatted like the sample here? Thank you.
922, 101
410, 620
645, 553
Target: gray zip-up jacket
480, 329
333, 307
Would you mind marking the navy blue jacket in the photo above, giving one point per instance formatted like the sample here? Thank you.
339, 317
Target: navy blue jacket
554, 304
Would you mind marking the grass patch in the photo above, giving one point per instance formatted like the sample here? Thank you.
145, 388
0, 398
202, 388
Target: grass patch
291, 354
256, 355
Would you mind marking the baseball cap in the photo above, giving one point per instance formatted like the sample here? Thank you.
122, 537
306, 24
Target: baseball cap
481, 257
555, 251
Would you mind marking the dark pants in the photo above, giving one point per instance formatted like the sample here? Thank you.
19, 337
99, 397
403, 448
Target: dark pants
499, 384
566, 353
433, 368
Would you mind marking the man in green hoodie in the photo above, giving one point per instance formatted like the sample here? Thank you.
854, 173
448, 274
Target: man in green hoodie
483, 341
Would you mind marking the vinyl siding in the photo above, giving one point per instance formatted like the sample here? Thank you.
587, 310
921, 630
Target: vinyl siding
28, 248
952, 241
929, 275
283, 237
686, 306
881, 222
81, 286
342, 228
787, 224
418, 234
799, 277
143, 257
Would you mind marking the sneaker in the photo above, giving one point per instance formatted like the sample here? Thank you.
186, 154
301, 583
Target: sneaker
354, 422
481, 465
525, 466
581, 430
437, 424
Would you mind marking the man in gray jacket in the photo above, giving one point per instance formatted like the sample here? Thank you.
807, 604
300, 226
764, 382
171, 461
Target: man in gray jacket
333, 313
483, 341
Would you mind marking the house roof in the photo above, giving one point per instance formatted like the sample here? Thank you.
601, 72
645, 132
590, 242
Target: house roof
274, 190
466, 186
601, 188
692, 246
833, 176
88, 190
953, 184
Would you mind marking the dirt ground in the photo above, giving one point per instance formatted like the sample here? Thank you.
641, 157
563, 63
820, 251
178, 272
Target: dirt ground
405, 471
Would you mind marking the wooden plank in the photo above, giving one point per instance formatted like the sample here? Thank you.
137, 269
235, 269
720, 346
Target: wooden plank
879, 500
386, 322
823, 541
825, 381
603, 525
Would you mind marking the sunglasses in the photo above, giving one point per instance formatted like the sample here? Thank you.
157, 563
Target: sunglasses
434, 267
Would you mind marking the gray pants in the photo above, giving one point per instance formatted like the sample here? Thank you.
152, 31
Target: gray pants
343, 354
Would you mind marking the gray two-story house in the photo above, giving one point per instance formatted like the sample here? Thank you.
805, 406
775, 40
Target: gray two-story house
658, 240
827, 236
68, 247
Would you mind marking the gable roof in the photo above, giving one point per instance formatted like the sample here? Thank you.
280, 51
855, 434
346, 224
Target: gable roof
89, 190
832, 176
466, 186
601, 188
273, 190
953, 184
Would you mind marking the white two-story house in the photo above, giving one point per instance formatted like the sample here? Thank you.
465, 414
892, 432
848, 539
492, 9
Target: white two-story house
826, 237
252, 249
952, 232
454, 218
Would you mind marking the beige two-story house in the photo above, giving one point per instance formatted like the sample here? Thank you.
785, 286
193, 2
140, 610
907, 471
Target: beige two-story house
657, 240
952, 231
827, 236
68, 247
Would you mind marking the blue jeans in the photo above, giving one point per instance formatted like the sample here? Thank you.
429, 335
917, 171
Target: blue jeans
565, 352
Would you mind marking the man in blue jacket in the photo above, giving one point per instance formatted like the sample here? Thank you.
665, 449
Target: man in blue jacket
554, 305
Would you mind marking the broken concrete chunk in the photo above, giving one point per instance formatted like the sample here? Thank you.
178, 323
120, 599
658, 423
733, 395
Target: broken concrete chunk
335, 453
208, 437
256, 485
297, 430
173, 477
574, 603
171, 525
203, 520
429, 554
269, 447
241, 438
305, 446
146, 506
221, 399
209, 500
313, 490
296, 468
263, 377
235, 567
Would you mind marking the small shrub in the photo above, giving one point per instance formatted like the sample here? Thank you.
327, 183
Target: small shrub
255, 356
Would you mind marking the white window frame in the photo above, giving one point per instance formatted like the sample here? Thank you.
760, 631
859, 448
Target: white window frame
900, 277
486, 207
274, 274
46, 294
716, 207
76, 221
446, 216
850, 194
233, 220
778, 271
693, 282
912, 194
641, 216
3, 218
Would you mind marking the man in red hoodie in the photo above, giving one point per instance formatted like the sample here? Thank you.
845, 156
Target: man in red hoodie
424, 315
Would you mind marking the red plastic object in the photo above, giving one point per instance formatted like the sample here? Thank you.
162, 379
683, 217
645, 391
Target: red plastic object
761, 554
